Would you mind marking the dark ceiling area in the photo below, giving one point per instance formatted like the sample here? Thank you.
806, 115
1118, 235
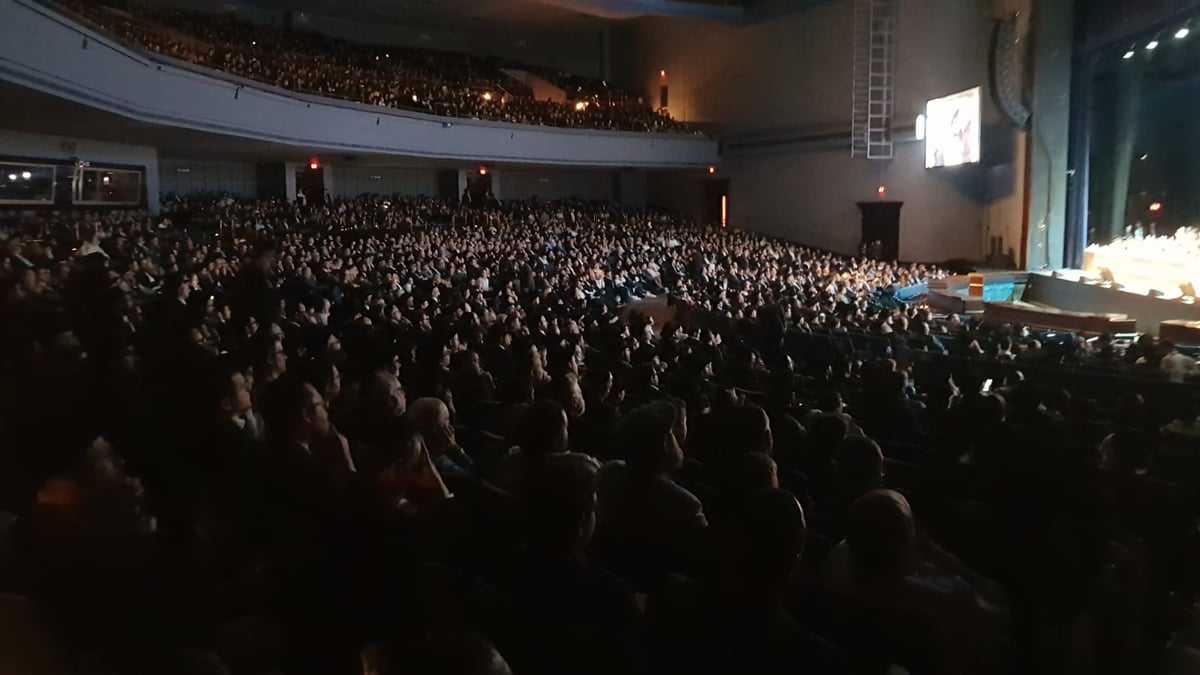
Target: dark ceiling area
558, 14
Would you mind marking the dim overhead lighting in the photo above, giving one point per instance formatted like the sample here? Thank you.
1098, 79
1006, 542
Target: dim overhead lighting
1128, 55
1156, 207
1182, 33
26, 175
1151, 45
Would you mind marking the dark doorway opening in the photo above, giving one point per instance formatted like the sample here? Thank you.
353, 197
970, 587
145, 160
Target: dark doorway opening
311, 183
716, 201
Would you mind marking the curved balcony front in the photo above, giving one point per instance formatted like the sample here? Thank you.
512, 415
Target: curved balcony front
49, 52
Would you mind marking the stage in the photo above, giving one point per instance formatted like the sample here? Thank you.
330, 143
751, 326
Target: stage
1063, 290
1132, 285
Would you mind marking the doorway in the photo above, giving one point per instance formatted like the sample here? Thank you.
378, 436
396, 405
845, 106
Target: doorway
479, 187
716, 201
311, 183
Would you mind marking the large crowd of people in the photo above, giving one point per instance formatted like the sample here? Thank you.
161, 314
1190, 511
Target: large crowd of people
435, 82
390, 435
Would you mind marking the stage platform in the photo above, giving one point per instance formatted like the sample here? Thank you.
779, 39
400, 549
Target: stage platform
1064, 290
1060, 300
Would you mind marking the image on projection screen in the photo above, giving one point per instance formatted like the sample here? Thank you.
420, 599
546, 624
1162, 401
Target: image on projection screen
952, 129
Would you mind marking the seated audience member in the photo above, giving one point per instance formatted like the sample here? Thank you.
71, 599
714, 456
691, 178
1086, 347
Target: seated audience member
830, 403
826, 434
647, 524
430, 417
577, 616
542, 433
734, 619
1185, 428
469, 381
886, 564
593, 432
857, 470
374, 419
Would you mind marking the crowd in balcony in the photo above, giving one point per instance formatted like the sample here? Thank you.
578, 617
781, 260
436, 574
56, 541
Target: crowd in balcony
435, 82
391, 435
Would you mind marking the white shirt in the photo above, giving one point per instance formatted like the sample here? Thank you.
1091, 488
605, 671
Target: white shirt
1178, 367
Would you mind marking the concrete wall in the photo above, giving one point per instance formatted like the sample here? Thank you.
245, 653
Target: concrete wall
184, 176
782, 91
44, 51
99, 153
351, 181
677, 191
555, 184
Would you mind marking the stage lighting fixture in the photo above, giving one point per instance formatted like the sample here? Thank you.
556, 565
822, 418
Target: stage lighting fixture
1128, 55
1182, 33
1151, 45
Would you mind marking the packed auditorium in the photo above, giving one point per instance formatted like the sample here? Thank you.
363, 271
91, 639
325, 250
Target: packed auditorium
599, 337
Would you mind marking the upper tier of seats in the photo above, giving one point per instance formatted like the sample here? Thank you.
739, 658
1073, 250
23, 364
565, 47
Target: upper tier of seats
429, 81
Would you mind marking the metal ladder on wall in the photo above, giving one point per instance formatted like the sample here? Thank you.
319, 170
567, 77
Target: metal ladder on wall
874, 78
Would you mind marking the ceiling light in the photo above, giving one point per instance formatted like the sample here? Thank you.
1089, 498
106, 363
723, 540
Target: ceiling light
1182, 33
26, 175
12, 176
1151, 45
1128, 55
